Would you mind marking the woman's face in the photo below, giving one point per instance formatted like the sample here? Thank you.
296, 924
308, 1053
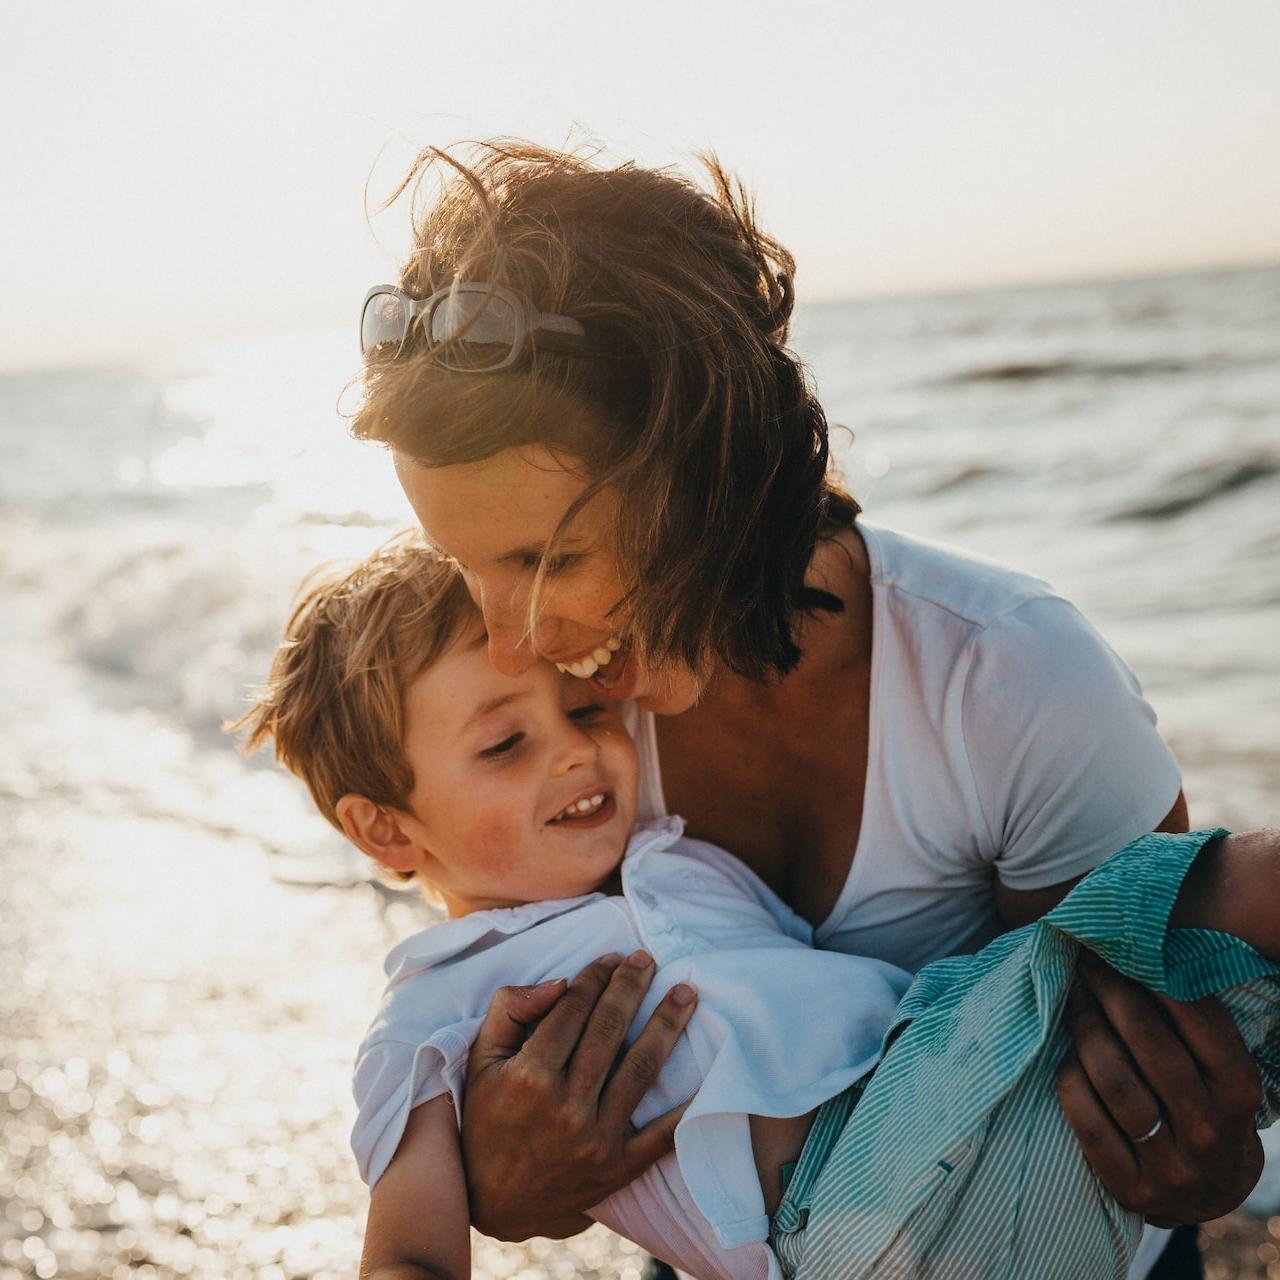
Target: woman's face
494, 518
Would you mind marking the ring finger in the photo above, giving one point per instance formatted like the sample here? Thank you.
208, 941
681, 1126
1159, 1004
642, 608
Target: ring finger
1116, 1080
1162, 1066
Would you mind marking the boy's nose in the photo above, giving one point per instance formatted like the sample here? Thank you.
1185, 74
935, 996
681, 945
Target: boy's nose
577, 752
577, 749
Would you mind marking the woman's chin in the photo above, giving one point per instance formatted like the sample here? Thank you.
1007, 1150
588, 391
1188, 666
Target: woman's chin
669, 693
666, 692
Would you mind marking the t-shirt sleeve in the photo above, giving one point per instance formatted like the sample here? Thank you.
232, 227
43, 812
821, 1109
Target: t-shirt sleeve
391, 1078
1062, 745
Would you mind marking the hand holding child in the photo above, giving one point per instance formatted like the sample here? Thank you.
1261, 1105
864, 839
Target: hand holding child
566, 1084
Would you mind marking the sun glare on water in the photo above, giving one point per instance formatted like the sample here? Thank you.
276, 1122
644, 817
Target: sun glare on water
268, 412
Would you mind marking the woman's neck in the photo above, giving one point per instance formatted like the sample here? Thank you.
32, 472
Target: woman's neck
832, 643
775, 771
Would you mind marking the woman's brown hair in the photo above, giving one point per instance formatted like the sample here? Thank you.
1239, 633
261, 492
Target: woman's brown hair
688, 405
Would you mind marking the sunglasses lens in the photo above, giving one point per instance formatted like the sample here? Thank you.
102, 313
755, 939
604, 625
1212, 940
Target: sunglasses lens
475, 331
382, 327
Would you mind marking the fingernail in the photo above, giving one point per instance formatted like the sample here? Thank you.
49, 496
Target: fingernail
549, 982
612, 960
640, 959
683, 994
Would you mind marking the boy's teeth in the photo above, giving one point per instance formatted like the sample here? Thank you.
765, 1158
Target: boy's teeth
580, 807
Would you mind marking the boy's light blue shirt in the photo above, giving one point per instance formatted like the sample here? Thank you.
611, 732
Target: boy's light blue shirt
780, 1028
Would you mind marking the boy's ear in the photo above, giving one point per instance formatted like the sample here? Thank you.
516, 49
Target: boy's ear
377, 830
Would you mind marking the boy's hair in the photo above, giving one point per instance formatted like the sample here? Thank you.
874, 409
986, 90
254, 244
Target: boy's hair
687, 405
358, 636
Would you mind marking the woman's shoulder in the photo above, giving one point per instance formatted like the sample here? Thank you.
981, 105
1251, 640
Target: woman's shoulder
914, 574
948, 619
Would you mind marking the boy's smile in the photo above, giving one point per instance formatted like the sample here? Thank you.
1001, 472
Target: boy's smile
524, 786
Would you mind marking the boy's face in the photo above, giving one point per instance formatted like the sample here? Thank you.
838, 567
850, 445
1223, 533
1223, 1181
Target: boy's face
524, 786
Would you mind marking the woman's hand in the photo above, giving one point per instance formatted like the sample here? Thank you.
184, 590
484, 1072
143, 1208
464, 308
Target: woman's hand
546, 1121
1140, 1059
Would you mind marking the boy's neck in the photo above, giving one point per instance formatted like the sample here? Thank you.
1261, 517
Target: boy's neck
457, 907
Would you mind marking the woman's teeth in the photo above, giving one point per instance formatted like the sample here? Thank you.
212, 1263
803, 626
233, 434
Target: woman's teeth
581, 807
585, 667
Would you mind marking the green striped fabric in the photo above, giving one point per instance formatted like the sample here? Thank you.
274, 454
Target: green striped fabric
957, 1162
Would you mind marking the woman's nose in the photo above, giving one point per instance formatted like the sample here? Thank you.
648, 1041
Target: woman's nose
505, 624
509, 647
506, 620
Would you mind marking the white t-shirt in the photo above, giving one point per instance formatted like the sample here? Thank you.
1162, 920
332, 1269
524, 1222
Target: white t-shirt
1006, 739
779, 1029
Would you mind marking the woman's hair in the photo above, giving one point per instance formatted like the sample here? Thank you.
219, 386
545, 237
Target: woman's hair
357, 638
688, 406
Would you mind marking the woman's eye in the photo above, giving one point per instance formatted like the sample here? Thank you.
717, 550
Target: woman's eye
505, 747
555, 564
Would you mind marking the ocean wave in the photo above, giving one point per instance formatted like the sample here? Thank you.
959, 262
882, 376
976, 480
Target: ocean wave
1191, 489
1038, 370
157, 532
961, 477
180, 619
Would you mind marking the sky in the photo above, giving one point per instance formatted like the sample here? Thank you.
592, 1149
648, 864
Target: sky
177, 173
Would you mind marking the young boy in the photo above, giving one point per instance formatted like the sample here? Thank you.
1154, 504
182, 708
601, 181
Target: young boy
513, 799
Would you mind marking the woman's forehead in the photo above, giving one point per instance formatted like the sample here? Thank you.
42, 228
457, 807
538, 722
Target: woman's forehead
500, 508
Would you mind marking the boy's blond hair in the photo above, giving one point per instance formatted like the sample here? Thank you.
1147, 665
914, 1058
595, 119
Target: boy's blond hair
358, 636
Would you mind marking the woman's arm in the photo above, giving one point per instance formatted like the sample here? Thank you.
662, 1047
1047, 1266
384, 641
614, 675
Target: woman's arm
418, 1217
1234, 886
1067, 754
1017, 907
546, 1123
1135, 1058
1186, 1065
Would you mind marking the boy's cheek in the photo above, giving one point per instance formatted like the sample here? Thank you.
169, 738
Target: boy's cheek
495, 842
625, 769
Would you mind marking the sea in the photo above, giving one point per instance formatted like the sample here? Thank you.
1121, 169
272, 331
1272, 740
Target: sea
1118, 438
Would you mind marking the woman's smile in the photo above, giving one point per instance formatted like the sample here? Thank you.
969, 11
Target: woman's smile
496, 517
586, 665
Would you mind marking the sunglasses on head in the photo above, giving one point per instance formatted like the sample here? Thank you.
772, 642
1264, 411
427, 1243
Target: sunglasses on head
469, 327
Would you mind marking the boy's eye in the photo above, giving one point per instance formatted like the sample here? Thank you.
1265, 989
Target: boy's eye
589, 712
503, 747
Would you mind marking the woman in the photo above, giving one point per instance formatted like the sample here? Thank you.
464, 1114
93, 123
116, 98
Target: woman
583, 381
